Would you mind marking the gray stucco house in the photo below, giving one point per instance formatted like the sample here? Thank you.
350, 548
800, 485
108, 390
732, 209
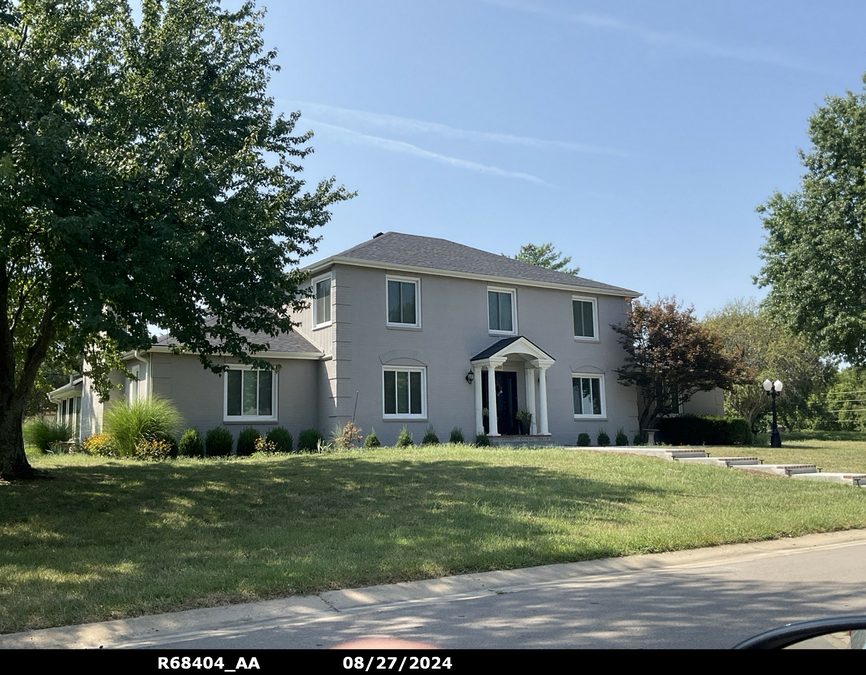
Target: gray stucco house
412, 331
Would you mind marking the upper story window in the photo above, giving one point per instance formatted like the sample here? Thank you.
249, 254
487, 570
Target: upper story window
250, 395
404, 306
500, 311
322, 301
585, 312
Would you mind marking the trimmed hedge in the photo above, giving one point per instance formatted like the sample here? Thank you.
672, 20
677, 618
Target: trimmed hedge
308, 440
247, 442
281, 439
704, 430
218, 442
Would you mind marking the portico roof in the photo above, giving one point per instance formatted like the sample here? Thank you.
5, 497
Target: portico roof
512, 345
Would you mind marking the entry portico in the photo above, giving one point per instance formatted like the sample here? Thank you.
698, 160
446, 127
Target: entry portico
524, 355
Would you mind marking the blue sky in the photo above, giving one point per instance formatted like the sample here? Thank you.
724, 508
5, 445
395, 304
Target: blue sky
636, 136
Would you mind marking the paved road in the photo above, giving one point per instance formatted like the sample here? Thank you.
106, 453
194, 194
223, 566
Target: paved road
709, 598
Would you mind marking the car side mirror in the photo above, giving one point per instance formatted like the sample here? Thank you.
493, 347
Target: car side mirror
843, 632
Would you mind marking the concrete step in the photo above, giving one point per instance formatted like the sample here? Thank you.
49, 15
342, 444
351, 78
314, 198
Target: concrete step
780, 469
723, 461
521, 441
836, 477
690, 453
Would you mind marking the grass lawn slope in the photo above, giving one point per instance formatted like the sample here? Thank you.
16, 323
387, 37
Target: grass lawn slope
111, 538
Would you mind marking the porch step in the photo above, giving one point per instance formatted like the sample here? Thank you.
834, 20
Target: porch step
536, 441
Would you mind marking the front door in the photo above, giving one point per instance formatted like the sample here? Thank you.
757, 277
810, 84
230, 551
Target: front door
506, 402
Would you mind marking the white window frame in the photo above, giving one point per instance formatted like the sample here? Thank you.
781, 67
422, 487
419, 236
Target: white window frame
316, 300
133, 384
513, 293
406, 416
593, 376
403, 280
69, 412
251, 418
594, 302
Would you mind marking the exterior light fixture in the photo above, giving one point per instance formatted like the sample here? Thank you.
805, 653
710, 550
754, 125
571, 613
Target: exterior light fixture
470, 377
773, 389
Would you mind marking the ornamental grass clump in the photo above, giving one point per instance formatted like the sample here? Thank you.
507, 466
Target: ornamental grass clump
150, 418
42, 433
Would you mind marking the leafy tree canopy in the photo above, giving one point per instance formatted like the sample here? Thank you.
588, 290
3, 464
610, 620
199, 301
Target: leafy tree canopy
670, 356
144, 179
815, 252
770, 352
546, 256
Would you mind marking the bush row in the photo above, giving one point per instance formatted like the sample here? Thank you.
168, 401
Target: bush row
704, 430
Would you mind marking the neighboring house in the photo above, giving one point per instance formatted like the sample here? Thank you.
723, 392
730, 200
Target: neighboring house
414, 331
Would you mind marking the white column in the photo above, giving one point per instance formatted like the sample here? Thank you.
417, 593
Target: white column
542, 401
479, 405
491, 400
529, 376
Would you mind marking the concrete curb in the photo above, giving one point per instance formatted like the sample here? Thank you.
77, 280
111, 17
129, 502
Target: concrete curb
154, 631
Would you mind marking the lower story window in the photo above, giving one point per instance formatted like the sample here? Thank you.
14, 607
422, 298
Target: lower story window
69, 413
250, 394
588, 391
404, 392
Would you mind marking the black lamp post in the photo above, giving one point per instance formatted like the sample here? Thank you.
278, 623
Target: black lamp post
773, 389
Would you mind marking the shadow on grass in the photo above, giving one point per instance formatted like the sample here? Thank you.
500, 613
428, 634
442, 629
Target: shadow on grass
120, 538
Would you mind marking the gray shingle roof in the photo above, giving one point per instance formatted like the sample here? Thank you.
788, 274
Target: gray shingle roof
496, 347
430, 253
287, 343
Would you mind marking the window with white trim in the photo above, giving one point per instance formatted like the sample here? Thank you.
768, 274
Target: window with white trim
250, 395
588, 393
500, 311
403, 298
584, 313
322, 301
134, 385
404, 392
69, 413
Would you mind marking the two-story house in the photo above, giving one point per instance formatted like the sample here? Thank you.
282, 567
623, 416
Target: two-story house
415, 331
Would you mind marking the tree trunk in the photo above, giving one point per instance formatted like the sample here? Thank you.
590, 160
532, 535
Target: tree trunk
13, 461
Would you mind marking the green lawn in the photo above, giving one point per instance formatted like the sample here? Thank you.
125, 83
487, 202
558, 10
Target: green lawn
813, 448
111, 538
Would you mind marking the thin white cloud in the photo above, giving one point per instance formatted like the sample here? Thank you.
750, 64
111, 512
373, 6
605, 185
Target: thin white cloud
672, 41
409, 149
397, 124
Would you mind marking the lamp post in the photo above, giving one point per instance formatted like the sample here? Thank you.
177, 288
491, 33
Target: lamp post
773, 389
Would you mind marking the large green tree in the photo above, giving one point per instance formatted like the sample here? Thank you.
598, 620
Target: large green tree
770, 352
670, 356
546, 256
815, 252
144, 179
